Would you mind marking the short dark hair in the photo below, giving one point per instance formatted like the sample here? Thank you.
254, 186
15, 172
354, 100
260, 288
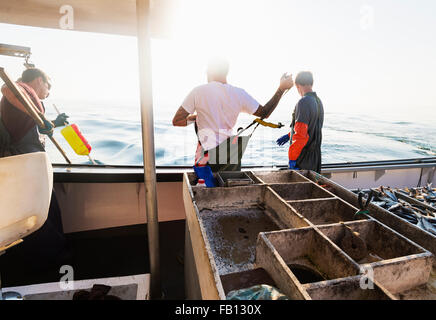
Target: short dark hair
32, 73
304, 78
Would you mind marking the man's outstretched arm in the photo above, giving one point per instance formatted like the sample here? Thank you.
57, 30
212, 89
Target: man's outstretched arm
265, 111
182, 117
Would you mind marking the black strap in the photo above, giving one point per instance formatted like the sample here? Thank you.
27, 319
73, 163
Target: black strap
205, 152
237, 134
196, 132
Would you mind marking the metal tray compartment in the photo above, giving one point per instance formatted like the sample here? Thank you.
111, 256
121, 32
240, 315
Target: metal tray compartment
347, 289
260, 197
232, 234
282, 212
424, 292
233, 179
246, 279
397, 263
299, 256
231, 219
284, 176
214, 198
192, 177
320, 212
407, 229
300, 191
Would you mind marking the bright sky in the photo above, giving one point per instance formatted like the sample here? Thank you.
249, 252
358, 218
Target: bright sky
366, 56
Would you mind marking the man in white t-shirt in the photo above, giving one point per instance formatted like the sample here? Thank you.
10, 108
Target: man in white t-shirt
215, 108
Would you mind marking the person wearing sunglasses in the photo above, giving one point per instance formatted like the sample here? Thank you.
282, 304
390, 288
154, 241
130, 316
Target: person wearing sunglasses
45, 249
17, 127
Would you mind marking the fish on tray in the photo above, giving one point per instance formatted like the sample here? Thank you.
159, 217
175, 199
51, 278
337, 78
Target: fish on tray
385, 198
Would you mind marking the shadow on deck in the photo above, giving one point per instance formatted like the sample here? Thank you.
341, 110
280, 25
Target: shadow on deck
107, 253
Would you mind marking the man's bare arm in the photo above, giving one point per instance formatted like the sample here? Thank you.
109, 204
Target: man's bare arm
182, 117
265, 111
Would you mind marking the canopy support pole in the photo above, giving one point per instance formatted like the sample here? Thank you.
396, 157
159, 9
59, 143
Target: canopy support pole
145, 83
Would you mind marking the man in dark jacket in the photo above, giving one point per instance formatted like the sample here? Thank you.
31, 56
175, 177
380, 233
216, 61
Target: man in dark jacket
17, 127
19, 134
306, 133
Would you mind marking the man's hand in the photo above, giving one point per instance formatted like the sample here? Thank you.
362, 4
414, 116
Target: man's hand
48, 130
61, 120
286, 82
293, 165
282, 140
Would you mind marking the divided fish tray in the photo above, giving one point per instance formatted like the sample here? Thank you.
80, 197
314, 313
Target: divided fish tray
292, 230
398, 264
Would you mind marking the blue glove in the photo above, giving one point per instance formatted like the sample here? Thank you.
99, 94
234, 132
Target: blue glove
293, 165
282, 140
205, 172
48, 130
61, 120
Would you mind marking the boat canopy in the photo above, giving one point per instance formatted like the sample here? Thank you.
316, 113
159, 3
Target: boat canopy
101, 16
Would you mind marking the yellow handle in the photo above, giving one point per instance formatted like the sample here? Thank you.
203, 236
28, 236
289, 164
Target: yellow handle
268, 124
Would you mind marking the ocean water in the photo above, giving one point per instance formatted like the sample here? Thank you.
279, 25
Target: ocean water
114, 132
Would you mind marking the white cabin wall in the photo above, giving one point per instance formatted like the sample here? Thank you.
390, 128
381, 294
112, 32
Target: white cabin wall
92, 206
395, 178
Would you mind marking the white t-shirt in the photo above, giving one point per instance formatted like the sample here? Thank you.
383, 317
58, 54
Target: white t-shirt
218, 106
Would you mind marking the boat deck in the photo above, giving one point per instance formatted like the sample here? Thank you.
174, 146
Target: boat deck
114, 252
312, 241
